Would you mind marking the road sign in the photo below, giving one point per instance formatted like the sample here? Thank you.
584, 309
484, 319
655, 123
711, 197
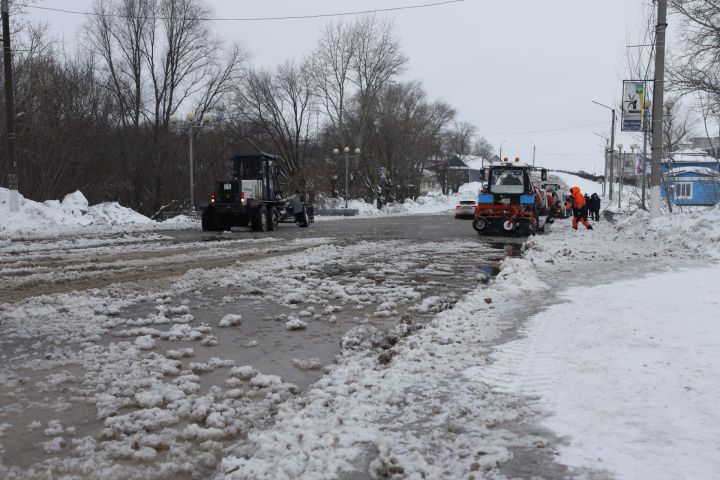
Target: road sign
631, 124
633, 105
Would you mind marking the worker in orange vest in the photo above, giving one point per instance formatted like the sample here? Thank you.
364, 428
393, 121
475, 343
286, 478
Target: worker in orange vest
576, 202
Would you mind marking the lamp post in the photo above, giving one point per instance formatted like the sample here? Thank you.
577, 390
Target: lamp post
612, 148
189, 121
620, 163
13, 196
534, 147
501, 144
346, 154
633, 147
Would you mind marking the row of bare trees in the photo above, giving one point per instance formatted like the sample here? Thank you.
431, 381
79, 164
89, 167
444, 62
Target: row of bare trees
102, 120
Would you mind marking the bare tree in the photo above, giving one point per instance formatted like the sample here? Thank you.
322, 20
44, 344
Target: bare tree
483, 148
408, 134
281, 104
330, 69
377, 61
697, 67
460, 138
158, 56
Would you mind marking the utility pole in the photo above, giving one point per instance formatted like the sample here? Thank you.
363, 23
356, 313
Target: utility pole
612, 148
534, 147
9, 107
612, 154
658, 102
644, 159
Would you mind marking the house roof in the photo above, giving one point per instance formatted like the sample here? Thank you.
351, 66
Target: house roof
474, 162
706, 171
690, 155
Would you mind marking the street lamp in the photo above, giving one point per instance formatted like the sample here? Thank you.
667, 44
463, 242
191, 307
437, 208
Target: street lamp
534, 147
620, 172
612, 149
346, 154
190, 120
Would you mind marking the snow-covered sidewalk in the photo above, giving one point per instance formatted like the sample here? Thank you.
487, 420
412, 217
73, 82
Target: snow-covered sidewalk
629, 372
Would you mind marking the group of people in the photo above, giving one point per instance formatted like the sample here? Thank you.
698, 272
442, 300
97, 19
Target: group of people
581, 205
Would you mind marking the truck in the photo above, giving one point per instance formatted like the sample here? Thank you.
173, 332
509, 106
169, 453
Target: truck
511, 203
253, 198
560, 195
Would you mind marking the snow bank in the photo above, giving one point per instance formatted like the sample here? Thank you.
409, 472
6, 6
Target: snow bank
697, 230
586, 186
73, 215
433, 202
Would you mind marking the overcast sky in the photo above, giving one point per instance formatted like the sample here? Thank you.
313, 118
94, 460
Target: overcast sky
513, 68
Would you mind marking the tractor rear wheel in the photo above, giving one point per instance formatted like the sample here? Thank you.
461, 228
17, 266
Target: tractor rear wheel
206, 220
260, 219
304, 219
272, 219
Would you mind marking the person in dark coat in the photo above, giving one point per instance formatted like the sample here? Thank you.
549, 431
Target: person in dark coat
595, 207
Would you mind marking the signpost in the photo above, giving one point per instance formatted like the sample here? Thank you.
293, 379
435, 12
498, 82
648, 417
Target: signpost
633, 105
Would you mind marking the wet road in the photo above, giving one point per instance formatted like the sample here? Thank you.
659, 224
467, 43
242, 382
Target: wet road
98, 303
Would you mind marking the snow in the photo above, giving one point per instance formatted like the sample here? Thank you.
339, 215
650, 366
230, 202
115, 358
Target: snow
634, 384
230, 320
432, 202
73, 214
586, 186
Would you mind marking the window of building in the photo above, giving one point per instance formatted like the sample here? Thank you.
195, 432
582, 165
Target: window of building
683, 190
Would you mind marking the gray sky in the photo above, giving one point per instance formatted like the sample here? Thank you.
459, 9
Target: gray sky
507, 66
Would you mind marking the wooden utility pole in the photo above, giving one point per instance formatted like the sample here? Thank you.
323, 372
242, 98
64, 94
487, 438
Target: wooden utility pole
658, 102
9, 106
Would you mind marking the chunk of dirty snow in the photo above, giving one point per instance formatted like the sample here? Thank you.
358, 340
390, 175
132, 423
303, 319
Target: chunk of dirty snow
53, 446
264, 381
54, 428
230, 320
145, 342
181, 353
295, 324
245, 372
309, 364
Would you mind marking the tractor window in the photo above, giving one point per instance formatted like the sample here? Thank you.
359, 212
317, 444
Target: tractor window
507, 181
249, 168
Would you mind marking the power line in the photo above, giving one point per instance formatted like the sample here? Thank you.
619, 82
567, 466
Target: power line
259, 19
563, 129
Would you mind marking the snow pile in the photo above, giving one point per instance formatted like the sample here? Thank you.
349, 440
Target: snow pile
697, 230
586, 186
432, 202
73, 215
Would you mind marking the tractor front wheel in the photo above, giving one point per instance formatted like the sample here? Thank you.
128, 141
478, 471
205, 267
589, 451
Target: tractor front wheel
481, 225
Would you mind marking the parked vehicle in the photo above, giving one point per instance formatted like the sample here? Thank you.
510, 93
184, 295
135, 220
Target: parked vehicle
254, 198
511, 203
465, 209
560, 196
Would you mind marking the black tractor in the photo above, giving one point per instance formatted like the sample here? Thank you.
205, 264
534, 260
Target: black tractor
254, 198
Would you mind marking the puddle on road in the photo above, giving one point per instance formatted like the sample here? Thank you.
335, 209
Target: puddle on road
330, 298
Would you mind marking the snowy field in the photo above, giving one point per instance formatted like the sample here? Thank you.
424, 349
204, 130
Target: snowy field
594, 354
